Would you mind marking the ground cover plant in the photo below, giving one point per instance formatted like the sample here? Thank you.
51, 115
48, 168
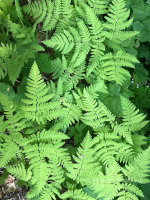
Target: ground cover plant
74, 98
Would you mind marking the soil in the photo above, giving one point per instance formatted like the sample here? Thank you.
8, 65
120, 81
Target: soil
18, 194
10, 191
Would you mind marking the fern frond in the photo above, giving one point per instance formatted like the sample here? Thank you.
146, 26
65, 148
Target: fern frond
132, 119
14, 122
138, 142
70, 114
69, 73
113, 66
107, 185
86, 165
63, 42
117, 21
106, 148
124, 152
45, 136
7, 54
72, 38
96, 113
46, 11
77, 194
5, 7
99, 7
66, 17
129, 191
8, 152
36, 106
96, 88
123, 132
97, 38
138, 169
47, 182
37, 164
20, 172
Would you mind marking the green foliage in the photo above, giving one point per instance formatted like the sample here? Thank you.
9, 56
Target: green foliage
74, 98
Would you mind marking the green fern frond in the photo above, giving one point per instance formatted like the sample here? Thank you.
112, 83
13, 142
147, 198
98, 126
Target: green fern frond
138, 169
69, 73
132, 119
37, 164
72, 38
99, 7
86, 162
38, 98
20, 172
13, 58
106, 148
113, 66
55, 15
8, 152
97, 38
14, 122
45, 183
5, 7
96, 88
123, 132
70, 114
7, 54
124, 152
58, 89
107, 185
22, 34
129, 191
77, 194
45, 136
47, 12
66, 16
63, 42
38, 10
96, 113
117, 21
138, 142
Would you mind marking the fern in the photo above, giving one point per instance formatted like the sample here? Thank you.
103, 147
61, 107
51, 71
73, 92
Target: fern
70, 114
103, 163
52, 14
5, 6
37, 98
112, 66
70, 39
69, 130
134, 169
117, 22
20, 172
7, 55
96, 114
86, 163
76, 195
131, 118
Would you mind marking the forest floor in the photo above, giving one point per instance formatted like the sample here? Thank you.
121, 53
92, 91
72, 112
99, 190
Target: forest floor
10, 191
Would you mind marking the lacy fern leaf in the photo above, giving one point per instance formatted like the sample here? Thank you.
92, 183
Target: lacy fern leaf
132, 119
117, 22
37, 98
